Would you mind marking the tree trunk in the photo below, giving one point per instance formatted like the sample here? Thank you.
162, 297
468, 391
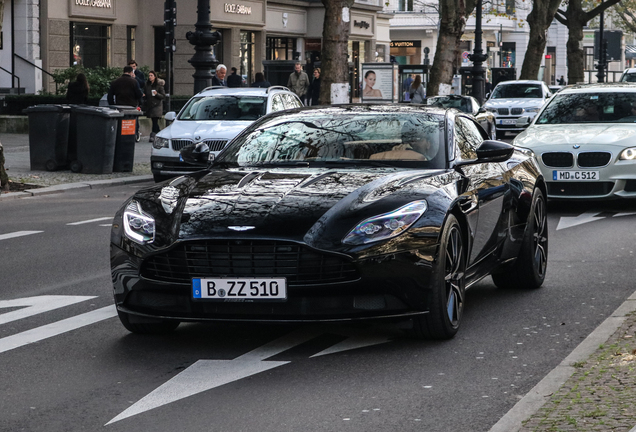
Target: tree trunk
453, 15
4, 178
335, 36
539, 20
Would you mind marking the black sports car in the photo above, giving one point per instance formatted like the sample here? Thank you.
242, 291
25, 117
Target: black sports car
467, 104
334, 213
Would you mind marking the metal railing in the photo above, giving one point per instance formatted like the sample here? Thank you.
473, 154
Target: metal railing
38, 67
14, 76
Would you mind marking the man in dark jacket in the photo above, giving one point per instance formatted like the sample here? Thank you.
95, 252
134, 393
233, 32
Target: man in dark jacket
125, 90
234, 80
219, 78
139, 75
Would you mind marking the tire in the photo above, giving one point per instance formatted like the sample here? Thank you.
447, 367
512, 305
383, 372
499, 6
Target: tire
500, 134
76, 166
528, 270
148, 326
447, 294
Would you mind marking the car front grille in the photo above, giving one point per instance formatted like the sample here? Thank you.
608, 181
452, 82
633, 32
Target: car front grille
558, 159
503, 111
593, 159
516, 111
216, 145
248, 258
178, 144
579, 188
630, 185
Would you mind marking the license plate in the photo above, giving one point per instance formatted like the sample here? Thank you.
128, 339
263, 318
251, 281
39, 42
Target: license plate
575, 175
240, 289
508, 122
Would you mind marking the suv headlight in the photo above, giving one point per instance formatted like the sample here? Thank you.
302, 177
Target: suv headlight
161, 142
628, 154
387, 225
138, 226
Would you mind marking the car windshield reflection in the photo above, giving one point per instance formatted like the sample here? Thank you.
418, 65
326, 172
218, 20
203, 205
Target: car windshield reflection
590, 108
224, 108
517, 91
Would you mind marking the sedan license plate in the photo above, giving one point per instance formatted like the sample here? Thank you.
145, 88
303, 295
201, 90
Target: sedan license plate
240, 289
575, 175
508, 121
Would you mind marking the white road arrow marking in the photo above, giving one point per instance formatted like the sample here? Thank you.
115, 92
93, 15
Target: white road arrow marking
44, 332
18, 234
36, 305
355, 341
569, 222
90, 221
625, 214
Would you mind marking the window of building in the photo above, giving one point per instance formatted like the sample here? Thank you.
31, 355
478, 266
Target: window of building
131, 50
280, 48
90, 45
405, 6
247, 56
508, 53
510, 7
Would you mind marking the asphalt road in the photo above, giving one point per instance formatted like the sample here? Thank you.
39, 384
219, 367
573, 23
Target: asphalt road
67, 364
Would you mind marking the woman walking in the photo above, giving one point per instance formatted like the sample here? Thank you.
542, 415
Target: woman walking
314, 88
155, 94
77, 92
416, 92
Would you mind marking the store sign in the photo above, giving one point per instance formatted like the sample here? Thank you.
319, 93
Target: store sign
361, 24
406, 44
94, 3
92, 9
238, 9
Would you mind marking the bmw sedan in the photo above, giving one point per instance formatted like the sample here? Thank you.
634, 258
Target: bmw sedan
348, 212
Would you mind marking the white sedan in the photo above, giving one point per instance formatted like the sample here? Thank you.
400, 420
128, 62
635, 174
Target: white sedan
585, 142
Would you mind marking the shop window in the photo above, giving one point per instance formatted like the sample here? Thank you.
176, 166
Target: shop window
247, 57
279, 48
508, 52
130, 43
405, 6
90, 45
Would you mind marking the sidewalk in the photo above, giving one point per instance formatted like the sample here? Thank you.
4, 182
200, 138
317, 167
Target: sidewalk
18, 165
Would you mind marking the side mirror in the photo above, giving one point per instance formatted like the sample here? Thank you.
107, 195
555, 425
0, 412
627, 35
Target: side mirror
523, 122
170, 116
195, 154
481, 110
494, 151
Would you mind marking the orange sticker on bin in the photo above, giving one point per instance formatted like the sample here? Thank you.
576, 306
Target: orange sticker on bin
128, 127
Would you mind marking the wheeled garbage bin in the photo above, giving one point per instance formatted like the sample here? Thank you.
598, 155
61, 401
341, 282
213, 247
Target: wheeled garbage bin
48, 136
126, 134
96, 132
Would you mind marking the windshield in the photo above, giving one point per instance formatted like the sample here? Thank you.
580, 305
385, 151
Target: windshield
400, 139
224, 108
462, 104
590, 108
517, 91
629, 77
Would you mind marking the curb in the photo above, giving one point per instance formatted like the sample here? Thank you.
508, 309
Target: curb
552, 382
96, 184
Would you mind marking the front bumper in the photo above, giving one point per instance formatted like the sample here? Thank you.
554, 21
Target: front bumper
172, 166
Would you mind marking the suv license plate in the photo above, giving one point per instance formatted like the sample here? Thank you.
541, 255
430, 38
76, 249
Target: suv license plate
508, 122
575, 175
240, 289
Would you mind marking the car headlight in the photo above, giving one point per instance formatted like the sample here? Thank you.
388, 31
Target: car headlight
387, 225
532, 110
628, 154
139, 227
160, 142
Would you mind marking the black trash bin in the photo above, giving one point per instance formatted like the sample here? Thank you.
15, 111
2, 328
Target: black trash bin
96, 132
48, 136
126, 138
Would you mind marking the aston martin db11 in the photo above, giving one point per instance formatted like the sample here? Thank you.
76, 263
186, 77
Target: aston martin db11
334, 213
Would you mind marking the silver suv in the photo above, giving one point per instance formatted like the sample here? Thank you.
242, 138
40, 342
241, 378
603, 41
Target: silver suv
512, 99
214, 116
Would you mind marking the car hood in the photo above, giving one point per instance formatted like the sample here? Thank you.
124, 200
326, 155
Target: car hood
198, 130
550, 137
286, 203
517, 103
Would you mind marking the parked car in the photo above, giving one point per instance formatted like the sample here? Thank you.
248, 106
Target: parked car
585, 141
214, 116
629, 75
512, 99
555, 88
345, 212
469, 105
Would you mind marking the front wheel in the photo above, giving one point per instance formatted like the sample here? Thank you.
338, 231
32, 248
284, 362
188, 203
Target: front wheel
146, 326
528, 271
446, 298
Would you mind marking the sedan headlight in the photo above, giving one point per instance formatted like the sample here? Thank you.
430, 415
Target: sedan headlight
160, 142
139, 227
628, 154
387, 225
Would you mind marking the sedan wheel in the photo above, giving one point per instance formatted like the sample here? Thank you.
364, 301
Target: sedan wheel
446, 300
528, 271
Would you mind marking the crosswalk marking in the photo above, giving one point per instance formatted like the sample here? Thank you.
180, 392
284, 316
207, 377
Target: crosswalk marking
90, 221
18, 234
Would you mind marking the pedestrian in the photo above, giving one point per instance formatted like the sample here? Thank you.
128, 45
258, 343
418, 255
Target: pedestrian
234, 80
487, 87
219, 78
139, 75
298, 81
125, 90
407, 82
259, 81
561, 81
155, 94
77, 92
313, 95
416, 92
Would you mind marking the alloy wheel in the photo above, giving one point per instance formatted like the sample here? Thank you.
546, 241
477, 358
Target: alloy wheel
454, 277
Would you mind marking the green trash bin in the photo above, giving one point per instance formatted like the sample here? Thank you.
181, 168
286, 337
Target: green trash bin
96, 132
126, 134
48, 136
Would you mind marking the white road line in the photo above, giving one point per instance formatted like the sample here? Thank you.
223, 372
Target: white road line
90, 221
46, 331
18, 234
36, 305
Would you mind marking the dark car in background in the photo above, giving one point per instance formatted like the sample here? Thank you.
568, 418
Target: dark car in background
349, 212
469, 105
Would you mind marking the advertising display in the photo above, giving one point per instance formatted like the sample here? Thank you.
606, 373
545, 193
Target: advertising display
378, 82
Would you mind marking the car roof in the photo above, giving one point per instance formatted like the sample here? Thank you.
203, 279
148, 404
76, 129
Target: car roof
241, 91
520, 82
380, 109
630, 70
599, 88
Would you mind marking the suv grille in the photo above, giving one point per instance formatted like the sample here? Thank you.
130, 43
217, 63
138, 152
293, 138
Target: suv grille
558, 159
579, 188
503, 111
178, 144
516, 111
248, 258
594, 159
216, 145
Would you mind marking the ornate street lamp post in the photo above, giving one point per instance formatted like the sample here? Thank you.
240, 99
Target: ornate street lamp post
203, 39
477, 57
